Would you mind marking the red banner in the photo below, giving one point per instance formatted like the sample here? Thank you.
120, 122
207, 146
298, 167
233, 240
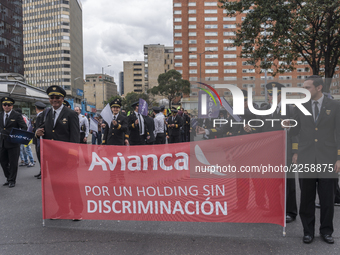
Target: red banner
172, 182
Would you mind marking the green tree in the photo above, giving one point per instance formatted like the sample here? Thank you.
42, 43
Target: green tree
287, 31
171, 85
132, 97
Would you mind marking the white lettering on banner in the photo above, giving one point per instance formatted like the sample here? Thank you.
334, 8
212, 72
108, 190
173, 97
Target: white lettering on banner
259, 122
135, 163
158, 207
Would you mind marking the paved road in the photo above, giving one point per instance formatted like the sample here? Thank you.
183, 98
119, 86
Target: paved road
21, 232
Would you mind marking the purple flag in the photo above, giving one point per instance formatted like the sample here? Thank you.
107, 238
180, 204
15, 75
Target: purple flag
206, 105
143, 107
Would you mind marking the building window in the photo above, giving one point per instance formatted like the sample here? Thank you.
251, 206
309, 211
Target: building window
211, 78
192, 48
229, 56
210, 11
210, 4
192, 34
193, 71
192, 27
229, 18
211, 63
210, 26
210, 18
177, 4
230, 78
178, 41
229, 63
192, 12
211, 56
192, 19
285, 77
178, 34
178, 27
178, 64
192, 63
230, 70
211, 71
192, 41
193, 79
178, 12
211, 41
228, 41
229, 48
178, 19
229, 33
211, 48
192, 56
178, 49
211, 33
248, 70
178, 56
248, 78
192, 4
229, 26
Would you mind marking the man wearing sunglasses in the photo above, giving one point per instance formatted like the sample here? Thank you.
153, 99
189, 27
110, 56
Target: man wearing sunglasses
62, 124
9, 152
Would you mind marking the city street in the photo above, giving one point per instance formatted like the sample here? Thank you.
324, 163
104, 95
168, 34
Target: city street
22, 231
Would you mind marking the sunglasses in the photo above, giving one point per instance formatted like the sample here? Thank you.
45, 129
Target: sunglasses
54, 97
7, 104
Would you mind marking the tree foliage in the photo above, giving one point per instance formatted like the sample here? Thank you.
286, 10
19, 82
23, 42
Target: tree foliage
287, 31
171, 85
132, 97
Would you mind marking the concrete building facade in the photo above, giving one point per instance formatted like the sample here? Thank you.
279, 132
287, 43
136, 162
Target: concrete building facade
121, 83
99, 88
11, 37
139, 76
53, 45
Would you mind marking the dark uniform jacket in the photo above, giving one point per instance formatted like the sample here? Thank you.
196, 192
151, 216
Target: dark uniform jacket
15, 120
318, 142
151, 128
116, 135
66, 128
134, 134
178, 121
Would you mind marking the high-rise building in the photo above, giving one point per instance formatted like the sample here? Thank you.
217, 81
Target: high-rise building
139, 76
121, 83
99, 88
204, 51
53, 45
11, 37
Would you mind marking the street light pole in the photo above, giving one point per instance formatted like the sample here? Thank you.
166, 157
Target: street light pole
103, 83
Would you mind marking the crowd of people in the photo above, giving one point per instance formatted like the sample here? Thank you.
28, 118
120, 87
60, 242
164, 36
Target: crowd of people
315, 140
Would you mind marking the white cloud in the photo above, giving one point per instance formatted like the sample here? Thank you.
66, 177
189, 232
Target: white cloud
116, 30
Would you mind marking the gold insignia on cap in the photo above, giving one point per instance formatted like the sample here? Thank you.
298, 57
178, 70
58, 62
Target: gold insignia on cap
5, 98
328, 112
273, 84
54, 88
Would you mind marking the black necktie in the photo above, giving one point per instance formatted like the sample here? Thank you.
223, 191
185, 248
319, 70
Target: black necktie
6, 119
139, 123
114, 118
54, 113
316, 111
